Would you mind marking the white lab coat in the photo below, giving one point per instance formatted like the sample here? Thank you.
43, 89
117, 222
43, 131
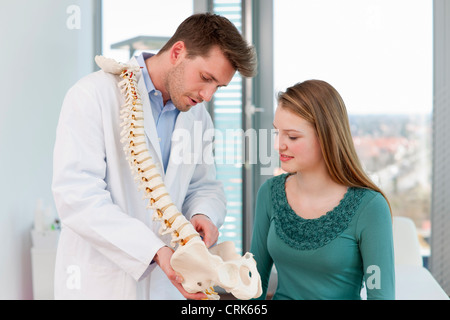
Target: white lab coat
108, 238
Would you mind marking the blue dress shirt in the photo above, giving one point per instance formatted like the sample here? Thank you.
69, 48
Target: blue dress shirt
165, 115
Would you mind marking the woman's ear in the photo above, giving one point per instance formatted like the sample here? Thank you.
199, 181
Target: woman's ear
177, 51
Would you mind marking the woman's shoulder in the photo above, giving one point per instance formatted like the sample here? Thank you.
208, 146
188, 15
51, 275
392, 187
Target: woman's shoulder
274, 183
272, 190
372, 199
374, 208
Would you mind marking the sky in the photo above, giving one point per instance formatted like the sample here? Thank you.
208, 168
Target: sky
376, 53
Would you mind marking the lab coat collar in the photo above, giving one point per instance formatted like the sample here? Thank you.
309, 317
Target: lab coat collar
149, 121
185, 120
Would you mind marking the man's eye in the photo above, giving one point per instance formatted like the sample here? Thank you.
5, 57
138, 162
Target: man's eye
205, 78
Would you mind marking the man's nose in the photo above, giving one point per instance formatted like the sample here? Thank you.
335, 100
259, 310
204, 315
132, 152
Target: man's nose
207, 93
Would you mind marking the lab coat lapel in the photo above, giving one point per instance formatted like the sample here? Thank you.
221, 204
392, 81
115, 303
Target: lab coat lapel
149, 121
185, 122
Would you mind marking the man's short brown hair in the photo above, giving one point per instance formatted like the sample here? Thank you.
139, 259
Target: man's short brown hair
200, 32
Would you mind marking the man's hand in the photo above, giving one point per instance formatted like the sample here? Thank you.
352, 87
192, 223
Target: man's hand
207, 230
162, 258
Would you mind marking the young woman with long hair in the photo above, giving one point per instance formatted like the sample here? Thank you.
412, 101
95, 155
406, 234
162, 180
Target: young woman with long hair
324, 224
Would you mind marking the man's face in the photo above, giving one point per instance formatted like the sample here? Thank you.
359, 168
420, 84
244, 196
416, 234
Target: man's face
194, 80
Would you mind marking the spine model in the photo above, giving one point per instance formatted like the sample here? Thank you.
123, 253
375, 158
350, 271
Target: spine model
200, 268
144, 169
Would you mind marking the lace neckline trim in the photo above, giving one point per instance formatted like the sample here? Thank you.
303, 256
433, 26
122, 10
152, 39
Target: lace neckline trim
309, 234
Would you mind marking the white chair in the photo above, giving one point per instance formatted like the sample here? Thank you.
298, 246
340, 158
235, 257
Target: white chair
406, 243
412, 280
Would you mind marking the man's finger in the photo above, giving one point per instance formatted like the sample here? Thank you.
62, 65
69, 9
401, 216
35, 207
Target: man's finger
187, 295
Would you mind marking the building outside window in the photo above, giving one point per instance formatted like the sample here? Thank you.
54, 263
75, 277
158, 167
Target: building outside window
143, 21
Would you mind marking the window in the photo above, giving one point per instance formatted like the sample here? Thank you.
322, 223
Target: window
379, 55
140, 25
227, 115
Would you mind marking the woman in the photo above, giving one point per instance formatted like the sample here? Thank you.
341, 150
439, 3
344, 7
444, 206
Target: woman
324, 224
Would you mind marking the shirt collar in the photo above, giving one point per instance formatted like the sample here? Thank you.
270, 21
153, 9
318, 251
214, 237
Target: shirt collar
148, 81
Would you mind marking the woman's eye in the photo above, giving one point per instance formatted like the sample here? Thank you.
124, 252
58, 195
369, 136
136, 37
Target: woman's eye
292, 138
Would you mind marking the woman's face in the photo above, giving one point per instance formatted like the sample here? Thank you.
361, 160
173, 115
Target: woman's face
296, 142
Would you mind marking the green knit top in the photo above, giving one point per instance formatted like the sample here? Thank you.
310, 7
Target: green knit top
329, 257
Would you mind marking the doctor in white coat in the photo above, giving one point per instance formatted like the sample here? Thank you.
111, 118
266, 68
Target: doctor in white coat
109, 247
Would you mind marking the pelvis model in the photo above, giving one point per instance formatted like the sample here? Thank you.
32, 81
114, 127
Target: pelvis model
201, 269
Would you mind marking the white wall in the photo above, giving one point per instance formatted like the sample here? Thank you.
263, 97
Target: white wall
40, 58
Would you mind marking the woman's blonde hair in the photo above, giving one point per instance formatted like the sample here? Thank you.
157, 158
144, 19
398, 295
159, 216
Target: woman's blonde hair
319, 103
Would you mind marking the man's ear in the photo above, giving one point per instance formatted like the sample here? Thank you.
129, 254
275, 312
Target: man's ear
177, 51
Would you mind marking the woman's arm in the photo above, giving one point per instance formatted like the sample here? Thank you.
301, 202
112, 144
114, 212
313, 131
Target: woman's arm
377, 249
261, 226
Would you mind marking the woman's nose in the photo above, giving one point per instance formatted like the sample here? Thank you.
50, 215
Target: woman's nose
280, 143
276, 143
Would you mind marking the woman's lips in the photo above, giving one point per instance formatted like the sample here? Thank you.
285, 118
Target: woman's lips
285, 158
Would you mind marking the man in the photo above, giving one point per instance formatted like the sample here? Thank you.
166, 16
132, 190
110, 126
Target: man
109, 247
